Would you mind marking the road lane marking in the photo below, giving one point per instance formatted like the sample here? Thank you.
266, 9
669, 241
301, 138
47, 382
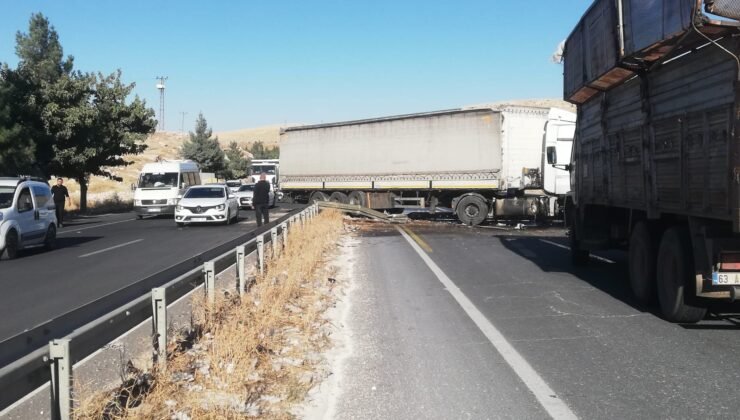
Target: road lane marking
93, 227
110, 248
596, 257
555, 407
425, 246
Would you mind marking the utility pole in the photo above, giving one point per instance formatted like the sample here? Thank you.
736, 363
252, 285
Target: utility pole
182, 127
161, 87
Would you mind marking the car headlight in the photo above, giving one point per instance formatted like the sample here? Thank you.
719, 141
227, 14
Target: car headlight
171, 201
179, 208
221, 207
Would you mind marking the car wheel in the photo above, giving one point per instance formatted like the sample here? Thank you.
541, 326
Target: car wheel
139, 217
51, 238
11, 244
228, 218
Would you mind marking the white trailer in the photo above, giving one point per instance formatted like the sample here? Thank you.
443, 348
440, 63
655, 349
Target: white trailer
479, 162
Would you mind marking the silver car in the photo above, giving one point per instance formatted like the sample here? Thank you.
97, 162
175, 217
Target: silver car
246, 194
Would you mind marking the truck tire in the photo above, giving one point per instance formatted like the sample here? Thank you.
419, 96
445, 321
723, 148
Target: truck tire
339, 197
317, 196
675, 271
357, 198
578, 257
643, 251
471, 210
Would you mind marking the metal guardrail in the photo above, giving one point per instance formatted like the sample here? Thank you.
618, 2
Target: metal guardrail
51, 349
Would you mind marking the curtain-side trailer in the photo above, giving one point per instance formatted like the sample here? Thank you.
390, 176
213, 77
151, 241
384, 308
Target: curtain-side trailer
479, 162
656, 158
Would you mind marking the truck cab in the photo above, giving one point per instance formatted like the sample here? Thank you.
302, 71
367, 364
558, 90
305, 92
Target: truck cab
161, 185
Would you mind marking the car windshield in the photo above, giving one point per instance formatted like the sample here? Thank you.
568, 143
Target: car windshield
270, 170
6, 197
158, 180
246, 188
233, 183
212, 192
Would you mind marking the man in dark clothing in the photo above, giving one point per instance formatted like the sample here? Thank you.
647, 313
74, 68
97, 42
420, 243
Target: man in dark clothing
261, 200
59, 193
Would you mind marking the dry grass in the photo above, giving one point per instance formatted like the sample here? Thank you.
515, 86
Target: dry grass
255, 357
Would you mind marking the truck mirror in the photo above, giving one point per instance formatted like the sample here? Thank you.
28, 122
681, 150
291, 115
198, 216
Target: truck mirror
552, 155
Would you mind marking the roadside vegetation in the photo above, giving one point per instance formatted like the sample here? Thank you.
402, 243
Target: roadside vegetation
251, 357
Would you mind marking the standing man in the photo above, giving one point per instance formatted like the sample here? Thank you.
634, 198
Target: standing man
261, 200
59, 193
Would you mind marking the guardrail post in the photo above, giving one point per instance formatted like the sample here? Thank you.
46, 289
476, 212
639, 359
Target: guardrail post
301, 217
159, 325
261, 253
209, 271
273, 242
241, 251
61, 379
285, 234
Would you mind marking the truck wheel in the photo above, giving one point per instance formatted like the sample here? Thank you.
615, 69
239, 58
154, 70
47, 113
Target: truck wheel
471, 210
317, 196
675, 270
11, 244
339, 197
641, 261
357, 198
50, 240
578, 256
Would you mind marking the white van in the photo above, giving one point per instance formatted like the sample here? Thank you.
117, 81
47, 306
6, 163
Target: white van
161, 185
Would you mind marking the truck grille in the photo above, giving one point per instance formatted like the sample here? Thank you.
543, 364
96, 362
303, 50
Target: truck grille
151, 202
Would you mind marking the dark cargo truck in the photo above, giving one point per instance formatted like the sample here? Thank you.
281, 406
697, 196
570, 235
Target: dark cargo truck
655, 167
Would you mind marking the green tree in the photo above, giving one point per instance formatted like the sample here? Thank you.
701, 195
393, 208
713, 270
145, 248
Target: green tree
236, 163
16, 150
203, 149
94, 126
260, 151
41, 63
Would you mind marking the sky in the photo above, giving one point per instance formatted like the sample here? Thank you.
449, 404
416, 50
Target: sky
254, 63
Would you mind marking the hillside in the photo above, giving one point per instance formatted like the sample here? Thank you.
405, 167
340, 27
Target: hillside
164, 145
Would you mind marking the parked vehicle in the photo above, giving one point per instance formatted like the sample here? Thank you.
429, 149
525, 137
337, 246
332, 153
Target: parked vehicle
161, 184
207, 204
234, 185
27, 216
655, 162
481, 163
269, 167
246, 193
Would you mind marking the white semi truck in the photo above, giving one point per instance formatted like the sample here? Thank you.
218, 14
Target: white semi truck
481, 162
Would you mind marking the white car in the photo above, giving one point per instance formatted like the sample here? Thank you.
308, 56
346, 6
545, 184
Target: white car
27, 216
246, 194
207, 204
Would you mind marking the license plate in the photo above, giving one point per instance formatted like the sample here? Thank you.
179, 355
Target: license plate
198, 219
725, 278
155, 210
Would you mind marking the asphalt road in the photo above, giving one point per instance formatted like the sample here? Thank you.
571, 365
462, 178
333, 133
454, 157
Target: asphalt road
97, 255
425, 344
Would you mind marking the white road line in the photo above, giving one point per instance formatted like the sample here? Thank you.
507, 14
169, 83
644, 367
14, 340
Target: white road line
555, 407
596, 257
92, 227
110, 248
